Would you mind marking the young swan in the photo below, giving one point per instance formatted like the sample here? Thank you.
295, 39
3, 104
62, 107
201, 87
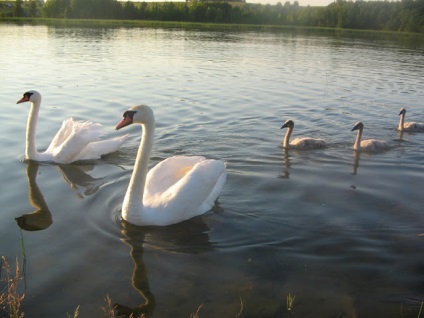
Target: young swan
303, 143
176, 189
411, 126
369, 144
75, 140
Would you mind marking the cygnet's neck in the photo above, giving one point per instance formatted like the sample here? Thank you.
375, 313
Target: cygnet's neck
357, 144
286, 141
401, 121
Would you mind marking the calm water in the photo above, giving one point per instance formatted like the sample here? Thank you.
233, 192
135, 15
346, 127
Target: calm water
339, 231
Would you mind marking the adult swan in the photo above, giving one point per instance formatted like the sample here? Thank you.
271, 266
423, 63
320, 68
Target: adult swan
176, 189
75, 140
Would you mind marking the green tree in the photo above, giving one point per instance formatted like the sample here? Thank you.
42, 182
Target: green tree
32, 8
130, 11
18, 10
56, 8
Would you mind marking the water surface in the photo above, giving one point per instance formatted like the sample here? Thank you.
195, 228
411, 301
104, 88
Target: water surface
338, 230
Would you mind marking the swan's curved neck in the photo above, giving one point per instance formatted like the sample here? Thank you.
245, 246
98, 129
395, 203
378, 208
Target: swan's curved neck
401, 121
286, 141
30, 147
357, 144
133, 201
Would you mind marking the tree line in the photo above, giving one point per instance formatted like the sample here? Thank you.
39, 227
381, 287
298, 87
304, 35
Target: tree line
404, 15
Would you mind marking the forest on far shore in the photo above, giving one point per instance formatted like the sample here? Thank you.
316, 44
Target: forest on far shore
401, 16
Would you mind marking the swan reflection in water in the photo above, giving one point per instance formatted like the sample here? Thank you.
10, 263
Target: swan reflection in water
191, 236
356, 158
41, 218
79, 179
75, 175
286, 164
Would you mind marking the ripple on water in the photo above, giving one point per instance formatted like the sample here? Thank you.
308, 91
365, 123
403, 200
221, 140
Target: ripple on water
336, 229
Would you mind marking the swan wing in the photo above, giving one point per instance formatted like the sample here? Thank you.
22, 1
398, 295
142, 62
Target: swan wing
308, 142
193, 194
210, 200
413, 126
72, 143
374, 145
168, 172
96, 149
62, 134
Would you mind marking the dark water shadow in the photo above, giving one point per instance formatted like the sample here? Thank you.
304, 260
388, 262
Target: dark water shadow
187, 237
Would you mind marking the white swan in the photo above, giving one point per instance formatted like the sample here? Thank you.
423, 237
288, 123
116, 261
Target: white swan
305, 143
75, 140
176, 189
368, 144
411, 126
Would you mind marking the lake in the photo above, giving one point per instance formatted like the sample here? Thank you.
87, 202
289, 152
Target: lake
339, 230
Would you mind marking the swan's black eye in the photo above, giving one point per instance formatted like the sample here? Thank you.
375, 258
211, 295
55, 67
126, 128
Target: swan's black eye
129, 113
28, 95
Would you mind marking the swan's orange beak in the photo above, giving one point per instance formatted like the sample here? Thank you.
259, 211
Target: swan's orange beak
23, 99
127, 120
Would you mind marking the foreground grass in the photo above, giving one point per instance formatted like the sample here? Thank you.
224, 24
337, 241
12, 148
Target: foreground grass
10, 298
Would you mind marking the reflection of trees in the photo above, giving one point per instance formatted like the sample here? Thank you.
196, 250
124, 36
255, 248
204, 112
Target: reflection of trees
187, 237
373, 15
41, 218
